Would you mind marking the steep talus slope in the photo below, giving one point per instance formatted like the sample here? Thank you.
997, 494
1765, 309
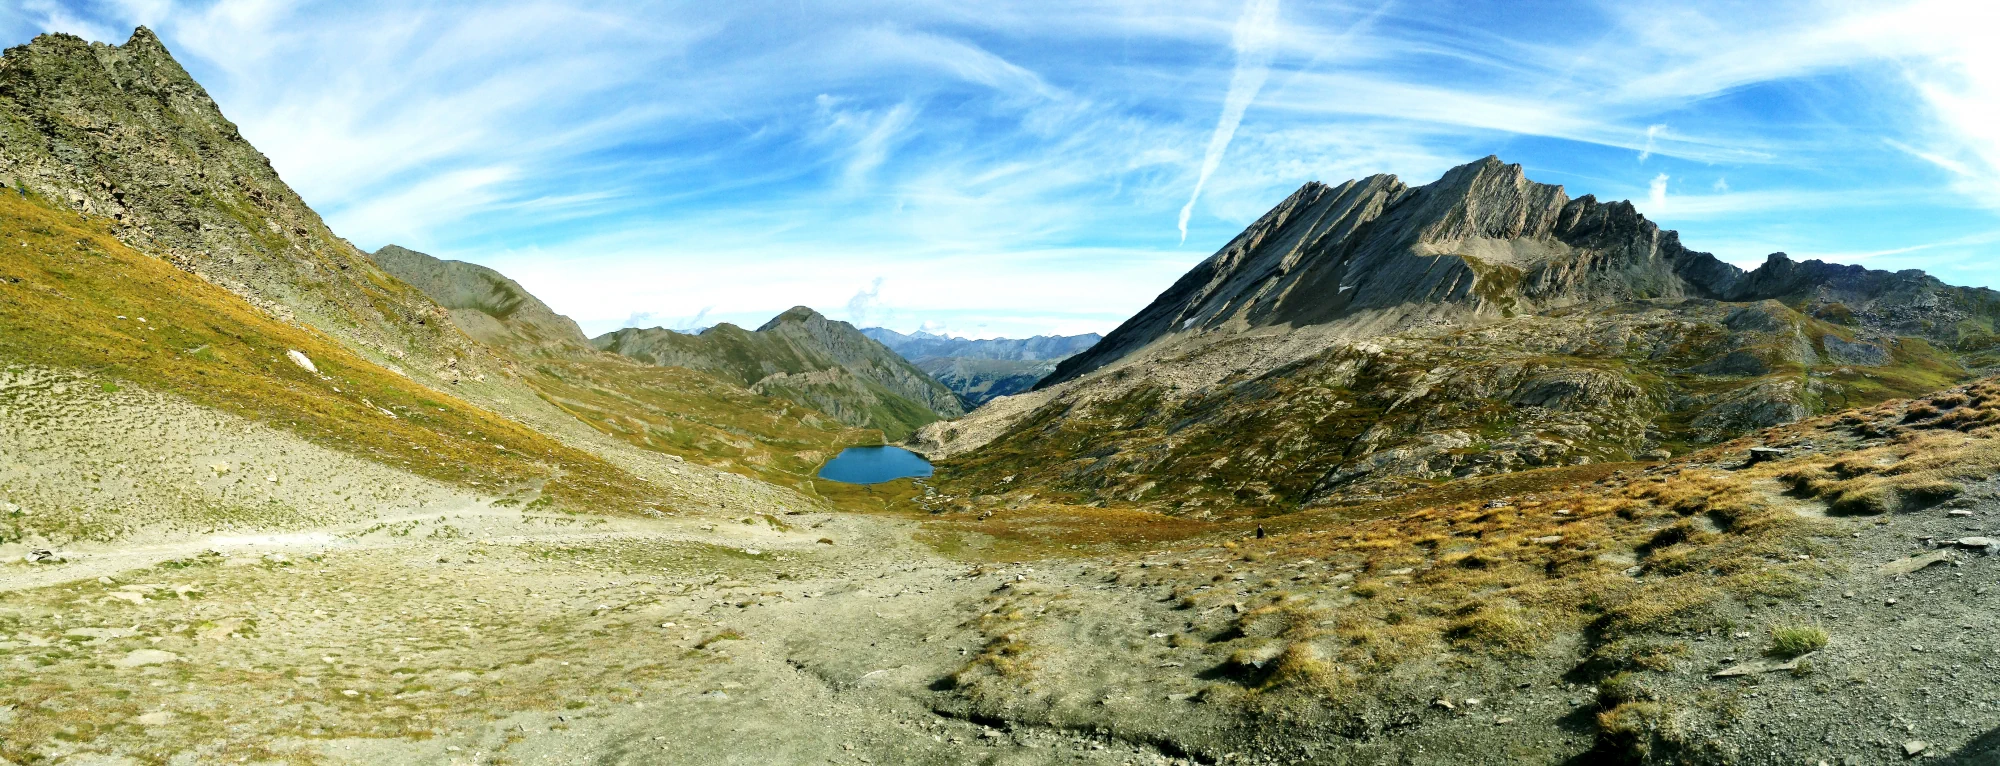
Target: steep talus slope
123, 132
486, 304
1371, 338
982, 370
806, 358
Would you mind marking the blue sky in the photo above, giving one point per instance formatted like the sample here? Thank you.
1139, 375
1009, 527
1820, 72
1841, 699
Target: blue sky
1003, 168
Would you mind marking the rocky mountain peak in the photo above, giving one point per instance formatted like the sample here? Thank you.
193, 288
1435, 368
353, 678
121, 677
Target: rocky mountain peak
1374, 257
794, 315
123, 132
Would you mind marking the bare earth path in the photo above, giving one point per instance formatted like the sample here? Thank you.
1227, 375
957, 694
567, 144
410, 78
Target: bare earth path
487, 635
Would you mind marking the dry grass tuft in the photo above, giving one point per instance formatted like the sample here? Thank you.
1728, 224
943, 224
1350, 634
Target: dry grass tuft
1796, 639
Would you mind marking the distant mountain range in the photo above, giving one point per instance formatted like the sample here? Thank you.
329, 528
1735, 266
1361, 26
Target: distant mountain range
981, 370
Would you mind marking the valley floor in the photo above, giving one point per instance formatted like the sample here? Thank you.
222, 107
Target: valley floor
430, 625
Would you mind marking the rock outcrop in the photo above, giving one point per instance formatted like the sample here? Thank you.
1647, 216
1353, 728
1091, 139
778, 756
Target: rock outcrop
1375, 257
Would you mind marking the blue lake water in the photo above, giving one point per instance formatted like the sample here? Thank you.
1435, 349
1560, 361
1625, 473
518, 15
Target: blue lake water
871, 465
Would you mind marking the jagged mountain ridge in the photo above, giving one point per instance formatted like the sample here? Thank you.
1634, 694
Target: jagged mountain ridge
1365, 339
982, 370
804, 357
1375, 256
124, 132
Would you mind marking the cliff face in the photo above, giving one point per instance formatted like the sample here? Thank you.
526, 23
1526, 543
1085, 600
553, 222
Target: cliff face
805, 357
123, 132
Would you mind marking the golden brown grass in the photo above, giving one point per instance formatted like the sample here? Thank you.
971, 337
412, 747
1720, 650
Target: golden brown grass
66, 283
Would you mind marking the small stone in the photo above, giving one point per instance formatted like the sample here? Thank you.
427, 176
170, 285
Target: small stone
1549, 540
1914, 563
1914, 748
1762, 454
1444, 703
105, 581
350, 693
140, 657
1978, 543
1959, 513
155, 718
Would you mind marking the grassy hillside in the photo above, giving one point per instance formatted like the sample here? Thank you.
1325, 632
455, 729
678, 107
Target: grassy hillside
72, 296
1570, 387
805, 358
697, 417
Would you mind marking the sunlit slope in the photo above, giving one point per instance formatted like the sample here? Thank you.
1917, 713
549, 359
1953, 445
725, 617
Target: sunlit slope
72, 296
689, 414
695, 416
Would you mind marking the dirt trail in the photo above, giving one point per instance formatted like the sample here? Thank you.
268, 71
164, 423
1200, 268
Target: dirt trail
476, 634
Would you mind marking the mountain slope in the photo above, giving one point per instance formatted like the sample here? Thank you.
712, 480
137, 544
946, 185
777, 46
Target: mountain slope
806, 358
1366, 339
923, 345
1374, 256
488, 306
981, 370
681, 412
77, 299
123, 132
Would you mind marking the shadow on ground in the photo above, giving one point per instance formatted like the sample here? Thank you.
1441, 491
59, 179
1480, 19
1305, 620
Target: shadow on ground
1984, 751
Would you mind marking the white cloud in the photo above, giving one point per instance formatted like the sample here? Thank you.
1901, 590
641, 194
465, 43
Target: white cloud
1652, 133
1007, 164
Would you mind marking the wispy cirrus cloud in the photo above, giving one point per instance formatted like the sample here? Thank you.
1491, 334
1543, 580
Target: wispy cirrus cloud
1019, 167
1254, 35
